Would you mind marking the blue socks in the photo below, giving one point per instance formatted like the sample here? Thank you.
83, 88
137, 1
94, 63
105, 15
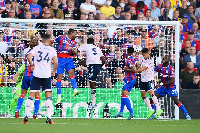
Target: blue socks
20, 102
126, 101
37, 105
73, 82
122, 105
153, 106
58, 86
182, 108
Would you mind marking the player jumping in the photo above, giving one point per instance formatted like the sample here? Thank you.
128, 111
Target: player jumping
147, 82
65, 53
129, 82
27, 77
43, 56
94, 61
167, 85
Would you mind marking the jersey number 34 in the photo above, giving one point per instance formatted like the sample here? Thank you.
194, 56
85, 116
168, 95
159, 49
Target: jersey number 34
46, 57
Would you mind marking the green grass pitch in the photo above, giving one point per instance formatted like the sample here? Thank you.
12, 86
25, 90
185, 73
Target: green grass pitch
99, 126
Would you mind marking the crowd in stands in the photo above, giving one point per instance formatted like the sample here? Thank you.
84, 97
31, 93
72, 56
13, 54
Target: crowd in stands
112, 39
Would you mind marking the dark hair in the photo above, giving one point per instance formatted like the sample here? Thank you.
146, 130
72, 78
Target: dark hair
90, 41
196, 74
33, 43
1, 55
46, 36
71, 31
147, 10
140, 4
130, 50
145, 50
191, 5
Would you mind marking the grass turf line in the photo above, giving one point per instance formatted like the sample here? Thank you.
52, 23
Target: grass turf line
99, 126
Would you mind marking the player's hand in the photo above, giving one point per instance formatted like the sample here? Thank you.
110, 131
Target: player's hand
53, 73
14, 90
125, 69
157, 86
32, 68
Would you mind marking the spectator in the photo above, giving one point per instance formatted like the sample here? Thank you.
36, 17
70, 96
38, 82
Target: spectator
15, 6
35, 8
71, 12
7, 37
168, 6
102, 16
140, 7
123, 6
147, 15
119, 38
99, 4
117, 15
103, 79
107, 9
192, 56
184, 52
86, 7
91, 16
47, 3
191, 17
186, 26
120, 83
187, 75
133, 13
11, 72
127, 16
5, 13
56, 13
140, 17
182, 9
2, 6
3, 45
12, 13
155, 12
26, 8
130, 43
42, 15
195, 28
193, 84
3, 72
175, 4
144, 41
163, 16
63, 5
28, 15
176, 15
15, 52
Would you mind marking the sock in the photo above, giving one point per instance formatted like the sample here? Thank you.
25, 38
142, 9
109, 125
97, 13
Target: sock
58, 86
13, 103
153, 106
155, 100
122, 105
73, 82
40, 101
93, 96
127, 103
147, 102
28, 105
37, 105
20, 102
182, 108
49, 106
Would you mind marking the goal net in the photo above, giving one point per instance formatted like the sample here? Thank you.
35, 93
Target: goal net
113, 38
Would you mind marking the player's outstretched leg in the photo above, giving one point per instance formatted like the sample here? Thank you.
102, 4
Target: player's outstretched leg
19, 104
58, 86
74, 85
13, 104
181, 107
49, 110
158, 110
28, 106
120, 114
147, 102
128, 105
37, 106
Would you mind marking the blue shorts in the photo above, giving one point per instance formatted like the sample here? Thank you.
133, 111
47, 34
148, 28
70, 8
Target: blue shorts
65, 63
93, 71
128, 85
36, 84
170, 91
26, 82
146, 86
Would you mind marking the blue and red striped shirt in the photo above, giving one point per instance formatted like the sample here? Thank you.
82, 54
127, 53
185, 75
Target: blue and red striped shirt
131, 61
63, 46
165, 74
28, 72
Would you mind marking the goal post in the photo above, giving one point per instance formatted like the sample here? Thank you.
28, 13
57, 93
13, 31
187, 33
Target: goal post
176, 24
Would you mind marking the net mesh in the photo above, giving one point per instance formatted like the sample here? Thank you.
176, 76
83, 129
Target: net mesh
113, 39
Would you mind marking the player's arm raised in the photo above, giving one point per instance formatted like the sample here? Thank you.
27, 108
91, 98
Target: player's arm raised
55, 61
141, 69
